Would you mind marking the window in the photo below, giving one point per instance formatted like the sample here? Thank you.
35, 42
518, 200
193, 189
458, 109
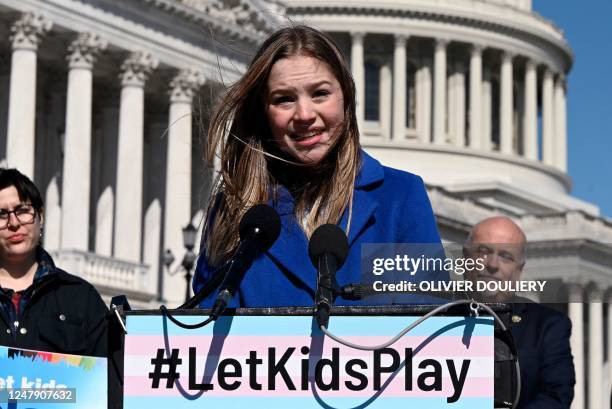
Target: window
372, 91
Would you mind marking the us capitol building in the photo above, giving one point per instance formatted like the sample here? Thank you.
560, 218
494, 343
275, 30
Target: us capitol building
103, 103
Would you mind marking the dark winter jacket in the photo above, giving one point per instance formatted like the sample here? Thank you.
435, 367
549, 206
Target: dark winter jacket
62, 313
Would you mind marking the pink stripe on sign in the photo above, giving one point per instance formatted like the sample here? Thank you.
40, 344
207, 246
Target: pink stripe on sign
474, 387
238, 345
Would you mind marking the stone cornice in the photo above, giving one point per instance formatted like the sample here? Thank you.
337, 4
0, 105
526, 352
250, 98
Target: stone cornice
244, 21
572, 223
577, 261
131, 26
458, 209
466, 151
499, 19
580, 229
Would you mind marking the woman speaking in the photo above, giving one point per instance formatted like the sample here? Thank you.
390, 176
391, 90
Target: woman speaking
287, 135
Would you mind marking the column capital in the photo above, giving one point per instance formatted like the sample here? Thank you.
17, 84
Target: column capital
576, 282
548, 72
401, 39
184, 84
562, 79
508, 55
477, 49
595, 292
357, 36
531, 64
84, 50
441, 42
575, 288
136, 68
28, 31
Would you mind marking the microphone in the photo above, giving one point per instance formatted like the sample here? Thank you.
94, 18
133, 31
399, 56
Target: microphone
327, 249
258, 229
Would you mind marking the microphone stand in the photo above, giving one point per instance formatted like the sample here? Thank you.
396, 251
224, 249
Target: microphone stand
208, 288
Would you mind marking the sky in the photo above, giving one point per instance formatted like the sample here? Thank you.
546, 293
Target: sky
588, 29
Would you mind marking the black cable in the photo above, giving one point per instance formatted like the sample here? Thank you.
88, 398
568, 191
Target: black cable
166, 313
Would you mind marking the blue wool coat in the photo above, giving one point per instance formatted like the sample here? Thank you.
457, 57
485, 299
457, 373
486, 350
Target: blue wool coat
389, 206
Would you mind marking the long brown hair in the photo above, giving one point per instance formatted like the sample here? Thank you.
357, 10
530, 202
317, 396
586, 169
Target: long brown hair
251, 165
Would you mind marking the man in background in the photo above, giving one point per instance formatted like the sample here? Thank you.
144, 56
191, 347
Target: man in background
541, 334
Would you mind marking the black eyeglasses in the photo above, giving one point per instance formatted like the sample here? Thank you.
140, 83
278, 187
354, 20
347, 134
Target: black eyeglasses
25, 214
505, 255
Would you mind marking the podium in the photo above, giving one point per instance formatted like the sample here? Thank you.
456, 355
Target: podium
277, 357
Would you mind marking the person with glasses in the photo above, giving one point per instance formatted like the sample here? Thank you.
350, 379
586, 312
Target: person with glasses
42, 307
541, 334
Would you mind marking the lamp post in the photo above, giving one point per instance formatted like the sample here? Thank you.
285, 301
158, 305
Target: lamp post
167, 259
189, 238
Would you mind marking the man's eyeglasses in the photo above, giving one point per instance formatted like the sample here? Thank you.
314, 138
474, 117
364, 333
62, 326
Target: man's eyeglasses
25, 214
505, 255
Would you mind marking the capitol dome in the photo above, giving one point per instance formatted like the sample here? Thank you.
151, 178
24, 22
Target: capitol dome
456, 90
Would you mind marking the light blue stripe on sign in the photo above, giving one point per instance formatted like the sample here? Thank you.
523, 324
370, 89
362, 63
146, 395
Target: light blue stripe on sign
303, 403
303, 325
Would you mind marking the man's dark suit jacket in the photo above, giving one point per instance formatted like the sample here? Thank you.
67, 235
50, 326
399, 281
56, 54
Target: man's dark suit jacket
547, 369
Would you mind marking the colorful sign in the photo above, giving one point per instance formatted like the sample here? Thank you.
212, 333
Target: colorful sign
284, 361
47, 380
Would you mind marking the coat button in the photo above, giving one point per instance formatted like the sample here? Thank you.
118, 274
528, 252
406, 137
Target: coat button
62, 317
8, 331
23, 331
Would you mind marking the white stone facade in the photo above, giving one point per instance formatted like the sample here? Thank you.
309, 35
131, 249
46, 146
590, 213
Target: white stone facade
101, 102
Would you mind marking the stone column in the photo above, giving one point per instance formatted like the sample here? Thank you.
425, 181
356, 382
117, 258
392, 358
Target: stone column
424, 102
530, 120
450, 102
128, 201
357, 69
385, 92
76, 172
575, 312
439, 112
560, 124
487, 109
548, 124
506, 104
476, 97
596, 356
177, 213
459, 104
26, 35
399, 88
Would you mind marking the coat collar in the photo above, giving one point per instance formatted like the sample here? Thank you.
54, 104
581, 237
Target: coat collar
290, 250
